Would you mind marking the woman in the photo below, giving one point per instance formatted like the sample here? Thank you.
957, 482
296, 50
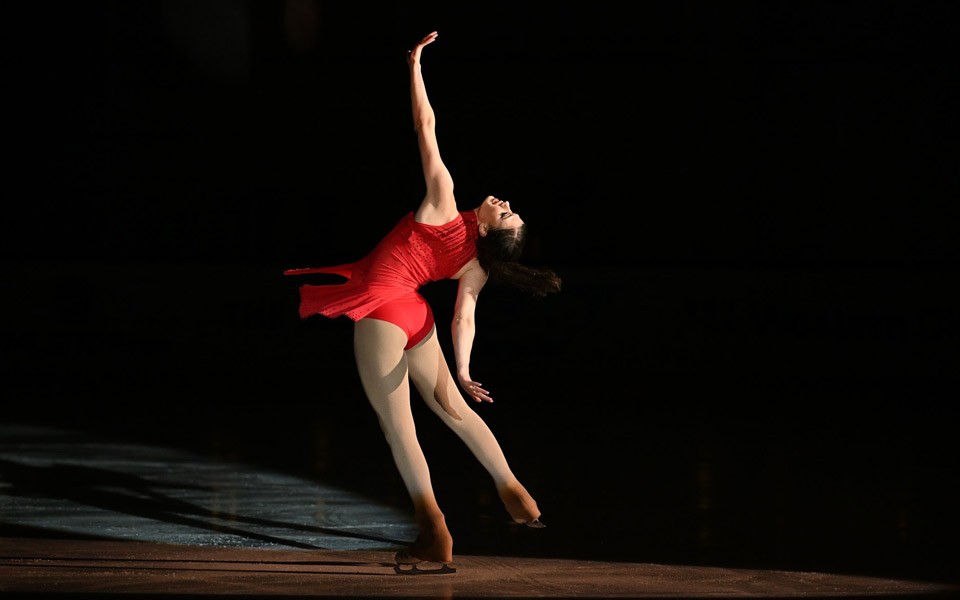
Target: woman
395, 339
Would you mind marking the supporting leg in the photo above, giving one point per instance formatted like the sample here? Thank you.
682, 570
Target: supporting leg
382, 365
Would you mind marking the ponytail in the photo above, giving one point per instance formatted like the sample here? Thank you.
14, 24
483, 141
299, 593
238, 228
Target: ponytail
499, 252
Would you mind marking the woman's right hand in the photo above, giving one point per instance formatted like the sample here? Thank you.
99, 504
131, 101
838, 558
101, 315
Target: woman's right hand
413, 56
474, 389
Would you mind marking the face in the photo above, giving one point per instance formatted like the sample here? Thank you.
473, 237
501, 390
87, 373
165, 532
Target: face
494, 213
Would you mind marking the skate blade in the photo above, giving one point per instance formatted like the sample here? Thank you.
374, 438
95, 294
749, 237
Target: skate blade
534, 524
417, 569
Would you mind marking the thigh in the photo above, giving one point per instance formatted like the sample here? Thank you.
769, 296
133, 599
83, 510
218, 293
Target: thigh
381, 362
432, 377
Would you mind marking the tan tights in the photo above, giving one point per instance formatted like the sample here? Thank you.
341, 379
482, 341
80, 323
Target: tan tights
384, 367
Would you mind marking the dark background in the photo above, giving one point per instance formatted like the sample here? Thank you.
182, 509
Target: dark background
753, 360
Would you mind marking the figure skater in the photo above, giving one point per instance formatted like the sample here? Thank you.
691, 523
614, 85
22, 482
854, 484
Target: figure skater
395, 339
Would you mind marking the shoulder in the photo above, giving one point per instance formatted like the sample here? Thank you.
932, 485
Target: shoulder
472, 275
429, 214
469, 217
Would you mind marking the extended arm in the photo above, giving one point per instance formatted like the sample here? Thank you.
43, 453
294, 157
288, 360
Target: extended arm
438, 206
464, 329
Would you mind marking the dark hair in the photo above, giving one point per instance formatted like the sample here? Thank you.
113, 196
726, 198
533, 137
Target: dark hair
499, 252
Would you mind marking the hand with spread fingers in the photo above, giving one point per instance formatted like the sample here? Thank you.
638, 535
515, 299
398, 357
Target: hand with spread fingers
474, 389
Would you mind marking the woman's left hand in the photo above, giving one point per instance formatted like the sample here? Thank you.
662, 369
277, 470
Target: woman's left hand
413, 56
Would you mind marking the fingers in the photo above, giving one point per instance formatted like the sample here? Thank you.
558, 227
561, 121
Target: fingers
413, 54
478, 393
428, 39
474, 389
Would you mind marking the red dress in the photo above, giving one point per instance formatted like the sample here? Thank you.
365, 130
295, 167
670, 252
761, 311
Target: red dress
409, 256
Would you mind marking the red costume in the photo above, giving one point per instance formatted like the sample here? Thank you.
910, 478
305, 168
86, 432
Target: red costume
383, 285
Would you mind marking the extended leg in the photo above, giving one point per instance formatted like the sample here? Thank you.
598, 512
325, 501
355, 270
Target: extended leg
382, 365
430, 373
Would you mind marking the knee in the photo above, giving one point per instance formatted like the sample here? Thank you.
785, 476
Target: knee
397, 434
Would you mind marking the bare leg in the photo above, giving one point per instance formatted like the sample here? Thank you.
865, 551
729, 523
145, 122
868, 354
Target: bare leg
382, 365
431, 374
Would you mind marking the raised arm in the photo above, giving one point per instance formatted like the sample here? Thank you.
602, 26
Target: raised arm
439, 205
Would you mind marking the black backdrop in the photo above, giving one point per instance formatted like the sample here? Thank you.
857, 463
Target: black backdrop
752, 205
755, 133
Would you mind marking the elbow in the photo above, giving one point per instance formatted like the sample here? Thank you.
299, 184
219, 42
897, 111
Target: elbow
424, 123
462, 321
